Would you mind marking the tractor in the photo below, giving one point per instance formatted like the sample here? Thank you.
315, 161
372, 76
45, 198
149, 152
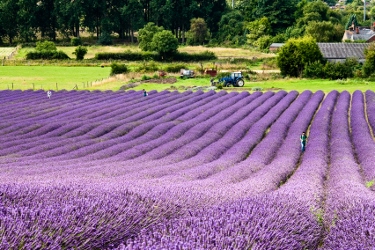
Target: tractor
235, 79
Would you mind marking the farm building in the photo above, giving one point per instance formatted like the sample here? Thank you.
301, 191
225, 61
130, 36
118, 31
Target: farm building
336, 52
339, 52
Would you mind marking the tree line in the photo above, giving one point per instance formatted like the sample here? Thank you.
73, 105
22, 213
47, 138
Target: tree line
254, 22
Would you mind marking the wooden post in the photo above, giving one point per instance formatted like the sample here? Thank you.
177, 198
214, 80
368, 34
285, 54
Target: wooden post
12, 86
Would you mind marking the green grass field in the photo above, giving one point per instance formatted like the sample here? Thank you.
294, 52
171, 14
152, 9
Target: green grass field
46, 77
97, 78
61, 75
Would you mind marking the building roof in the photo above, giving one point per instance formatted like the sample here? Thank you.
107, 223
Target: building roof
363, 35
276, 45
343, 50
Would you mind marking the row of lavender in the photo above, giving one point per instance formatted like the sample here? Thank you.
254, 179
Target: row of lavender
248, 167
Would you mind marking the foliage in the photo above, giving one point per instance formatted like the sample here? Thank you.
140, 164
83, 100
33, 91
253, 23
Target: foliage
314, 70
118, 69
369, 65
127, 55
146, 34
80, 52
296, 54
45, 46
338, 70
48, 55
332, 70
324, 31
105, 39
147, 67
352, 20
174, 68
194, 57
199, 31
258, 28
280, 13
76, 41
232, 28
263, 43
165, 43
148, 56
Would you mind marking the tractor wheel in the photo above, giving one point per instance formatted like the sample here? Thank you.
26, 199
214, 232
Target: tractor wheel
240, 83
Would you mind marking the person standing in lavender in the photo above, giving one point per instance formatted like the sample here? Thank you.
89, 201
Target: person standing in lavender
303, 139
49, 94
144, 93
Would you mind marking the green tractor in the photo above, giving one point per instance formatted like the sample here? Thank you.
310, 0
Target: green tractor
235, 79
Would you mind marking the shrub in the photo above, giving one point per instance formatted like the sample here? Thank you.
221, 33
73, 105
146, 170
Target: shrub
296, 54
128, 56
45, 46
174, 68
118, 69
369, 65
165, 43
153, 56
80, 52
335, 71
76, 41
147, 67
145, 77
47, 55
314, 70
196, 57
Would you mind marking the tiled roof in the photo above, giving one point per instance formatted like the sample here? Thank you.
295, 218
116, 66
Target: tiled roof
364, 34
343, 50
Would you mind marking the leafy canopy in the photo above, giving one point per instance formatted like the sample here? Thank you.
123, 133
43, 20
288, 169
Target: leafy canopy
146, 34
165, 43
296, 54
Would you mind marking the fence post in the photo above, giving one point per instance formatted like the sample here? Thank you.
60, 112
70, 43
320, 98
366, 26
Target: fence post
12, 86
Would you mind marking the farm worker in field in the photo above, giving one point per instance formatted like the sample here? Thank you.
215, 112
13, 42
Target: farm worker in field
144, 93
49, 94
303, 139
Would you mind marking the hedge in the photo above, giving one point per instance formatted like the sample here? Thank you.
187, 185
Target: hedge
148, 56
48, 55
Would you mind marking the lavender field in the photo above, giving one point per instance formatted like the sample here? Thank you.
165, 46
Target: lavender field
191, 170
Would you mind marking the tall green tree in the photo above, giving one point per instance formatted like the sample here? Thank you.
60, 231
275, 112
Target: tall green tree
8, 23
280, 13
258, 28
296, 54
199, 30
165, 43
27, 18
324, 31
133, 13
68, 16
95, 15
46, 19
232, 28
211, 11
146, 34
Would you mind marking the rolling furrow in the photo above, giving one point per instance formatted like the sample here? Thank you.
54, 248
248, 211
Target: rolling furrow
363, 141
101, 129
348, 199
